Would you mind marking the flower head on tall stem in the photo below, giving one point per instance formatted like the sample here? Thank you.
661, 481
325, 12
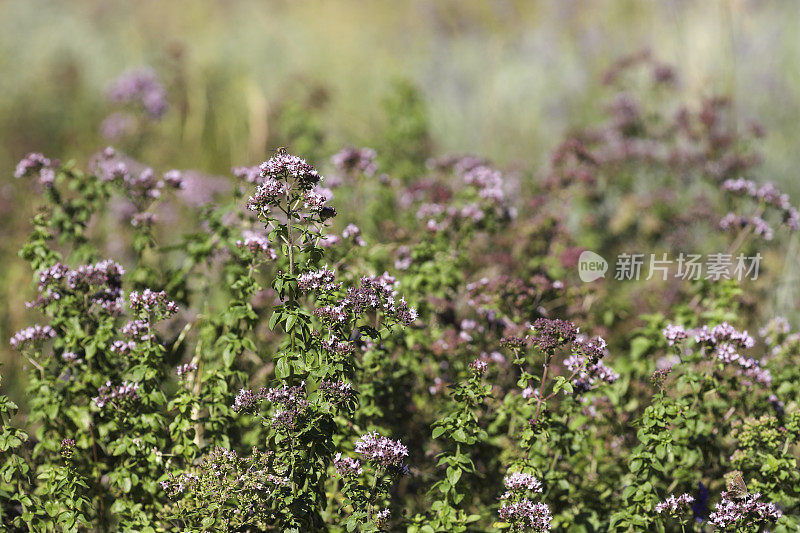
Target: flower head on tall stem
731, 512
36, 163
382, 451
674, 505
548, 335
32, 335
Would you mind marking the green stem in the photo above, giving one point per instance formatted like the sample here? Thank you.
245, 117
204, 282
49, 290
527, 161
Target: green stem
289, 244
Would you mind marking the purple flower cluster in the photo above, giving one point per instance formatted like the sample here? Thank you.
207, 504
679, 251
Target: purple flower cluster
775, 332
32, 335
403, 258
548, 335
659, 377
592, 349
356, 160
441, 216
520, 511
332, 314
488, 182
100, 282
278, 177
382, 451
776, 326
586, 353
247, 401
479, 366
521, 482
674, 333
766, 194
347, 466
268, 194
723, 334
514, 342
525, 514
185, 369
108, 273
141, 184
777, 404
674, 505
327, 241
571, 163
55, 275
256, 242
152, 303
754, 371
120, 396
318, 280
761, 227
223, 472
139, 86
144, 185
111, 166
173, 178
287, 396
178, 484
138, 330
283, 166
316, 200
67, 449
382, 518
443, 210
748, 511
379, 293
353, 233
725, 341
143, 220
33, 163
123, 347
659, 72
293, 402
588, 376
468, 325
337, 346
337, 392
374, 293
248, 174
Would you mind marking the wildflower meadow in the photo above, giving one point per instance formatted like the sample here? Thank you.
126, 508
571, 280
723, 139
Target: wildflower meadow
383, 335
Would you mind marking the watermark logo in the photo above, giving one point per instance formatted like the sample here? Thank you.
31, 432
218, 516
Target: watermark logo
634, 267
591, 266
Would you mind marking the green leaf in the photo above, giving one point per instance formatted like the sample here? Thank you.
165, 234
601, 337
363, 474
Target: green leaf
282, 368
639, 347
453, 475
276, 316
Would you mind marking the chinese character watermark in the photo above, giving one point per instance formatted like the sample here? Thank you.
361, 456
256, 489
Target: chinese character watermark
633, 267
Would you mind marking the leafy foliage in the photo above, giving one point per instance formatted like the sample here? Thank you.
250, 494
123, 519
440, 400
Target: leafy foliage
420, 357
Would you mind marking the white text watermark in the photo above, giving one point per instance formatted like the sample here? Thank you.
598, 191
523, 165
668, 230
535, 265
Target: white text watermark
640, 266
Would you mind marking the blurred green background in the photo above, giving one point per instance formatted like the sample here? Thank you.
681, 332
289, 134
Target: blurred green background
503, 79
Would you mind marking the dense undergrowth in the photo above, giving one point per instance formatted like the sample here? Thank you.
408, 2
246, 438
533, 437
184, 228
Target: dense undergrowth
405, 344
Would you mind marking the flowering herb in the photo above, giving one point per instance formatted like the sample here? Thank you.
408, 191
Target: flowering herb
240, 354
